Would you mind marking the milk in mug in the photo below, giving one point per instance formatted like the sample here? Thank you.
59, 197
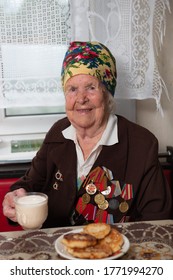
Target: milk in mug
31, 210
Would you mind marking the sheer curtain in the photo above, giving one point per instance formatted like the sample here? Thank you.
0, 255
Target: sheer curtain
34, 35
133, 30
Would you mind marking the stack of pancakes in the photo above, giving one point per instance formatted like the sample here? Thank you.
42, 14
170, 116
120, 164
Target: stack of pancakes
95, 241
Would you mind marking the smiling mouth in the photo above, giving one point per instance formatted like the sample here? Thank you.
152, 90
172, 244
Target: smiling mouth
84, 110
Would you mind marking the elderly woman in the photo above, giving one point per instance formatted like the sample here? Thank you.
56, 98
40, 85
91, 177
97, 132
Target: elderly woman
93, 165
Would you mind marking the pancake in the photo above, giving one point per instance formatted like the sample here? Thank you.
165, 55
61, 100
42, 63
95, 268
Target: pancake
93, 252
98, 230
78, 240
114, 239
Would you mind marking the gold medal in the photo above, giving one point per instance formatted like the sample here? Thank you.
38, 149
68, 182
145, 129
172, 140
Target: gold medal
99, 198
91, 189
104, 205
86, 198
123, 207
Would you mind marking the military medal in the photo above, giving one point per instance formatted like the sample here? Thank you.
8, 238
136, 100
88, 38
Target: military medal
104, 205
123, 207
91, 189
113, 203
86, 198
99, 198
107, 191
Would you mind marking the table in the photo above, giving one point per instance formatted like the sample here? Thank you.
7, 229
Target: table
148, 240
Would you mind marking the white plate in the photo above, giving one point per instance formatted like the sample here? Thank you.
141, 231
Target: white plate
61, 248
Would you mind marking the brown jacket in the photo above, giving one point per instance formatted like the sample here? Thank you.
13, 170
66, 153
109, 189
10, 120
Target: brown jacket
134, 160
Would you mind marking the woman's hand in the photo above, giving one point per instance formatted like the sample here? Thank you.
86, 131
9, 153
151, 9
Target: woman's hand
9, 205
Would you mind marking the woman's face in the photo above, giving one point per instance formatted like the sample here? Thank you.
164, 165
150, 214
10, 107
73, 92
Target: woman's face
86, 102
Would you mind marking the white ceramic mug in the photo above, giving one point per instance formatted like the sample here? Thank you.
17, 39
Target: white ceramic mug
31, 210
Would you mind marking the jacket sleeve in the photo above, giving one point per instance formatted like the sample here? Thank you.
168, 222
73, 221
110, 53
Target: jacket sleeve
154, 200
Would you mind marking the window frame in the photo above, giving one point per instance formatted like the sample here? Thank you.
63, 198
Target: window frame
18, 125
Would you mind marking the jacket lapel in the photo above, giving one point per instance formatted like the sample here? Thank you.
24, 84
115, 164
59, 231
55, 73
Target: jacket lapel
65, 159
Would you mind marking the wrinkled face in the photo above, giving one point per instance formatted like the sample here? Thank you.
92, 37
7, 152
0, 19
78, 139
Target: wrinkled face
86, 102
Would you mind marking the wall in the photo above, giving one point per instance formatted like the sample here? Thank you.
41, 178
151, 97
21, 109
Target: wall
146, 114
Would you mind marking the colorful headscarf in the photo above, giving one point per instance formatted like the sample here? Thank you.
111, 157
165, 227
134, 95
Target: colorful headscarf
91, 58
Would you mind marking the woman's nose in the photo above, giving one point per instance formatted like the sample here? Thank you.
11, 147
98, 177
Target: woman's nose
82, 96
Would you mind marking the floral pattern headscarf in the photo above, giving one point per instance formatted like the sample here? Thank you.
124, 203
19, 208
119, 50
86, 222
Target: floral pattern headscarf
91, 58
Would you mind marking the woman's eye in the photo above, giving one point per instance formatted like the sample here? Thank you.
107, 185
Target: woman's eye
71, 90
91, 87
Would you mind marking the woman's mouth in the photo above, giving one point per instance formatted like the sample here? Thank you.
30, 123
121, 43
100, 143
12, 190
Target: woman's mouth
83, 110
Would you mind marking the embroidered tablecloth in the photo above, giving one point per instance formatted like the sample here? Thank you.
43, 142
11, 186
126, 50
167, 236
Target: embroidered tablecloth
148, 240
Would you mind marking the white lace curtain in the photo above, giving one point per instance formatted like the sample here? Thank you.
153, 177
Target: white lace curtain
34, 35
134, 31
40, 31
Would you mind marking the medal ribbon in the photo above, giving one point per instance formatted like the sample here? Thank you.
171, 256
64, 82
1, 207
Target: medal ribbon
127, 192
101, 199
